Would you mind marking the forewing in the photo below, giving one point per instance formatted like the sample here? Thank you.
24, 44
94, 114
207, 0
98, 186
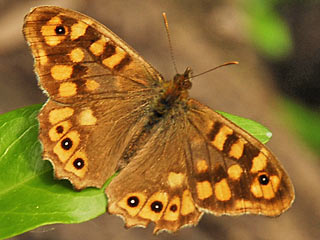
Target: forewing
230, 171
77, 58
99, 90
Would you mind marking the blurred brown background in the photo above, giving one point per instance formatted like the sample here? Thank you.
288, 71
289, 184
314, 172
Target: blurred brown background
205, 33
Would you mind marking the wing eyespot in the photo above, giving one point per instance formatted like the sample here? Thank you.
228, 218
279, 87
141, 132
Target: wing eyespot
59, 129
263, 179
173, 208
78, 163
66, 143
60, 30
156, 206
133, 201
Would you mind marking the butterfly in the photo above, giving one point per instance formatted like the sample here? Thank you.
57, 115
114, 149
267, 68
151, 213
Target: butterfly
110, 111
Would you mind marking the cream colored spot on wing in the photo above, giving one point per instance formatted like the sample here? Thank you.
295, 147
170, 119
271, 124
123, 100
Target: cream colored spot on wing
202, 166
98, 46
42, 57
76, 55
175, 179
266, 191
60, 114
259, 163
236, 149
54, 21
49, 33
67, 89
204, 190
275, 183
147, 212
256, 189
57, 131
61, 72
235, 171
92, 85
114, 59
70, 166
86, 118
221, 137
64, 154
222, 190
78, 30
132, 210
173, 210
187, 205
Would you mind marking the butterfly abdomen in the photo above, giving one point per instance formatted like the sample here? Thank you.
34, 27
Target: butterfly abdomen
157, 113
169, 103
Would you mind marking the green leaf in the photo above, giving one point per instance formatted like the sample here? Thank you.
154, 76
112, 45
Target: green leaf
257, 130
29, 195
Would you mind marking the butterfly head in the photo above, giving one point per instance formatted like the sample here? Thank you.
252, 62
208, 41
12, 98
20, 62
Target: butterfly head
183, 81
177, 89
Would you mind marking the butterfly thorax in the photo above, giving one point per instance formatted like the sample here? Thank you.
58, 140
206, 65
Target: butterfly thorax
175, 92
174, 96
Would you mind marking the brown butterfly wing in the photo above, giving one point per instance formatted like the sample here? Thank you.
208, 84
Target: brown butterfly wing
77, 58
85, 143
99, 91
154, 185
231, 172
196, 161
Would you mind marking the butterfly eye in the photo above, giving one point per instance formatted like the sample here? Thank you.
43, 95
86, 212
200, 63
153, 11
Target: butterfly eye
78, 163
133, 201
66, 143
60, 30
263, 179
186, 84
156, 206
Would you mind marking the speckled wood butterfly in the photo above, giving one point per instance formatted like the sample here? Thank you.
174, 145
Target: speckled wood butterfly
109, 110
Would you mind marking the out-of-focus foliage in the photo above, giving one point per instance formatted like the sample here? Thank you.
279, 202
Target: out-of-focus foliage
304, 121
268, 31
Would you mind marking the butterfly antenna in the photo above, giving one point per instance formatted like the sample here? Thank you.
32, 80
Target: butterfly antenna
169, 40
222, 65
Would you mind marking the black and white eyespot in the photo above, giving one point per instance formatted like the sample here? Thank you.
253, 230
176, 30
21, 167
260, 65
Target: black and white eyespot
156, 206
263, 179
66, 143
133, 201
78, 163
60, 30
